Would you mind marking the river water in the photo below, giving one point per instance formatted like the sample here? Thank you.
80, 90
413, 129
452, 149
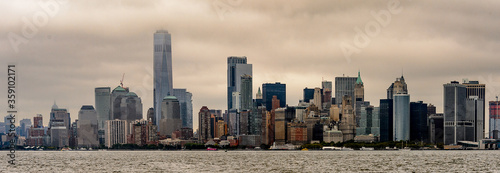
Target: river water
253, 161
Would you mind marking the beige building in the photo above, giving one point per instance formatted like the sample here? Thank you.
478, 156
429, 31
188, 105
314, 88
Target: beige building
333, 135
348, 121
280, 126
116, 132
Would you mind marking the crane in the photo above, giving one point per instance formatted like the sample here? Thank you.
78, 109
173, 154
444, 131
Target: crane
121, 81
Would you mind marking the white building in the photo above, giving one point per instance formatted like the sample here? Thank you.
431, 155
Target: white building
116, 132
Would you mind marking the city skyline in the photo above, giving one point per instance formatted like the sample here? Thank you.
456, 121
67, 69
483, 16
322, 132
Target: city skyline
68, 63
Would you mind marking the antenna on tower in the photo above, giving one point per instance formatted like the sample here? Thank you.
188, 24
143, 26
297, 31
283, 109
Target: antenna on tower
121, 81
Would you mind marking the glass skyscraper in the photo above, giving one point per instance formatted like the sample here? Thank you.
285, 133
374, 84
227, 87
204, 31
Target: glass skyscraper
401, 112
186, 106
163, 85
386, 119
102, 105
236, 67
344, 86
273, 89
454, 112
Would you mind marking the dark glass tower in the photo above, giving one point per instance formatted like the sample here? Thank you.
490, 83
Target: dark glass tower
386, 118
418, 122
273, 89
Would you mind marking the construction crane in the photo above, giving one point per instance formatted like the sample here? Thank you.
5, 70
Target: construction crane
121, 81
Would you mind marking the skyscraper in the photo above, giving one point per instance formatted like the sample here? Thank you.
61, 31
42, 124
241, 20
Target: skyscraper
170, 116
401, 121
386, 120
186, 106
269, 90
236, 67
326, 87
318, 96
348, 121
87, 127
474, 113
308, 94
59, 125
130, 107
151, 115
204, 125
418, 122
369, 121
494, 119
399, 86
102, 105
344, 86
246, 92
454, 112
474, 88
162, 64
116, 99
116, 132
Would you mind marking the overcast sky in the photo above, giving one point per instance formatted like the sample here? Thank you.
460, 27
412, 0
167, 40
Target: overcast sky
78, 46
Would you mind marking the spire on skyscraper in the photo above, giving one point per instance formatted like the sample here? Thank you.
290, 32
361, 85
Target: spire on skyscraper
359, 81
55, 105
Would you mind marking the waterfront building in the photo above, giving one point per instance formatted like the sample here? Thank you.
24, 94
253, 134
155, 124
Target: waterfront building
186, 106
454, 113
171, 116
116, 132
204, 125
87, 127
401, 120
102, 105
344, 86
348, 121
162, 73
236, 67
418, 122
269, 90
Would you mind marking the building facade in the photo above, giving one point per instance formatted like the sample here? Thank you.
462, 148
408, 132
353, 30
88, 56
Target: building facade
170, 116
454, 113
116, 132
401, 121
236, 67
162, 64
87, 127
102, 105
186, 106
273, 89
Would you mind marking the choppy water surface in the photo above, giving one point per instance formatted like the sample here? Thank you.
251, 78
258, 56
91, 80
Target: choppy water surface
253, 161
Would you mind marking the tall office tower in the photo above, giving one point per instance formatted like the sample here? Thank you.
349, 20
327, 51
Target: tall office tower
151, 115
474, 113
359, 89
130, 107
59, 125
474, 88
236, 67
186, 104
369, 121
399, 86
269, 90
386, 120
243, 124
494, 119
270, 125
401, 121
24, 125
258, 95
318, 97
246, 92
87, 127
221, 129
418, 122
116, 99
204, 125
162, 74
280, 126
327, 94
454, 112
255, 120
344, 86
436, 128
170, 119
234, 122
36, 132
236, 101
102, 105
308, 95
431, 109
116, 132
348, 121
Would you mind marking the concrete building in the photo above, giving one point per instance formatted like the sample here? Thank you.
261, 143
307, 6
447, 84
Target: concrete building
348, 121
144, 132
234, 122
318, 97
204, 125
116, 99
170, 116
221, 129
162, 74
344, 86
369, 121
130, 107
249, 140
399, 86
23, 127
243, 128
186, 106
436, 128
474, 88
401, 121
418, 122
87, 127
236, 67
102, 105
269, 90
59, 125
454, 113
36, 132
333, 135
280, 126
474, 113
116, 132
494, 119
326, 87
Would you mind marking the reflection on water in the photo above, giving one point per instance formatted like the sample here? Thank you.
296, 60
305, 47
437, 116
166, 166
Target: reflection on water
252, 161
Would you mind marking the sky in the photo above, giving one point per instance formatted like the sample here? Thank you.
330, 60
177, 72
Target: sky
64, 49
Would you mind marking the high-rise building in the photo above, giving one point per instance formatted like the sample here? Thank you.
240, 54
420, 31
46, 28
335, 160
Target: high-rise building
318, 96
116, 99
308, 94
494, 119
221, 129
436, 128
204, 125
269, 90
36, 132
243, 128
144, 132
116, 132
186, 106
348, 121
431, 109
258, 95
399, 86
163, 85
359, 99
474, 113
326, 87
246, 92
234, 122
130, 107
474, 88
87, 127
151, 115
24, 125
280, 126
344, 86
454, 113
386, 120
59, 125
102, 105
236, 67
401, 113
170, 120
369, 121
418, 121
